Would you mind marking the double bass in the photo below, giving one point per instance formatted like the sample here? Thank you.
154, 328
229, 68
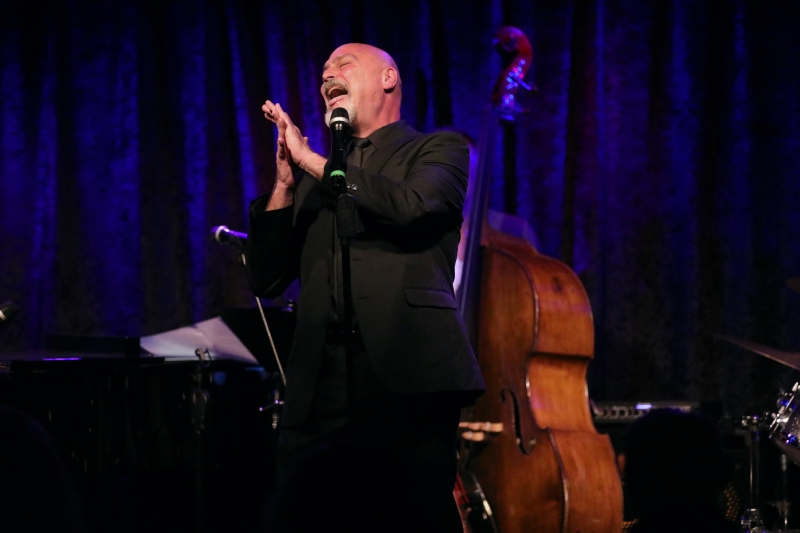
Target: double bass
531, 459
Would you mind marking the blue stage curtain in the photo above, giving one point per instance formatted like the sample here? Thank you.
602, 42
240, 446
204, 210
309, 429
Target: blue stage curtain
660, 160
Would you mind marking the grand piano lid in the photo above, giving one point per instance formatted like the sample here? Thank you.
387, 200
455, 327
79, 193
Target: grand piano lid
212, 335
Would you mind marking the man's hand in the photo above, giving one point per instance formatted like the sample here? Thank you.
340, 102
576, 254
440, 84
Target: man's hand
283, 192
295, 146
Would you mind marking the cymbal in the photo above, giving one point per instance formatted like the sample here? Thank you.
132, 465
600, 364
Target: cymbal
790, 359
794, 284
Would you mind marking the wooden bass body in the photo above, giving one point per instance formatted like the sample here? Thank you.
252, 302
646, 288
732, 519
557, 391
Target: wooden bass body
547, 470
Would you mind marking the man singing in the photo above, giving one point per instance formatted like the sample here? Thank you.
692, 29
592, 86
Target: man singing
413, 365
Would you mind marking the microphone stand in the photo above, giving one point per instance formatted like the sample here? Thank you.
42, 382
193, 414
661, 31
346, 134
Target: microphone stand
225, 235
348, 225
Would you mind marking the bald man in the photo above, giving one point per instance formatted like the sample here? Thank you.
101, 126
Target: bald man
413, 364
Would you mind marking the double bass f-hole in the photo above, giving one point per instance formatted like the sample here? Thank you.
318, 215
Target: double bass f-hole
524, 441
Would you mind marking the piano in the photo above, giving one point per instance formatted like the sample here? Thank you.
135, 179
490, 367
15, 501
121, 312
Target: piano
161, 440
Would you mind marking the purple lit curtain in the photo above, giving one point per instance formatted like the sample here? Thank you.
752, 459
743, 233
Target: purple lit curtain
660, 160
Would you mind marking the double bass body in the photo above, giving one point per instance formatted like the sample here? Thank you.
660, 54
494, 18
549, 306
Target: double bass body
548, 470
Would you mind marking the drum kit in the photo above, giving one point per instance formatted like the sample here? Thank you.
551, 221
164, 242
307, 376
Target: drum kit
782, 428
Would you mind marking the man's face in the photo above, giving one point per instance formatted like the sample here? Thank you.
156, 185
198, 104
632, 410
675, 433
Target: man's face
351, 80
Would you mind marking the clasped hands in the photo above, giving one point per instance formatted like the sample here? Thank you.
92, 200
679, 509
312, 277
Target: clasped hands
292, 148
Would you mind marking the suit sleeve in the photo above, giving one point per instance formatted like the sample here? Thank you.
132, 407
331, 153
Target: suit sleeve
435, 184
271, 252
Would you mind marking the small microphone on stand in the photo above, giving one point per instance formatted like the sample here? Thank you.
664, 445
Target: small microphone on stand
223, 235
7, 310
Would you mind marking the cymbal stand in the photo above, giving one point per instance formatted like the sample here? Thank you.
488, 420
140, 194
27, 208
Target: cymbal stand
755, 466
784, 504
751, 518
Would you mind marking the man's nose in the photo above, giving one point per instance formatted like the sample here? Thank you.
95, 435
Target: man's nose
330, 73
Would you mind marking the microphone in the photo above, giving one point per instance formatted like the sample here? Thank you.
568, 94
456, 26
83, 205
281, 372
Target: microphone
223, 235
340, 131
7, 310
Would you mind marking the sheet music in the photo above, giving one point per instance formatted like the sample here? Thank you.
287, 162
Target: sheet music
212, 335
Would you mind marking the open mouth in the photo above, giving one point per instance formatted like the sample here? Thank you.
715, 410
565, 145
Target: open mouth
334, 92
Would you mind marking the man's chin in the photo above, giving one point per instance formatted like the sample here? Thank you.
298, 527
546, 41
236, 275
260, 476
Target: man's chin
351, 112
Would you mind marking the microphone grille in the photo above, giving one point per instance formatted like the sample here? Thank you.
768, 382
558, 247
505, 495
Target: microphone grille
7, 310
340, 115
216, 231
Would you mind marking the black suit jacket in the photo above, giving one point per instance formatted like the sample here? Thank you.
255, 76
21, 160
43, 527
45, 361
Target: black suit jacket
410, 197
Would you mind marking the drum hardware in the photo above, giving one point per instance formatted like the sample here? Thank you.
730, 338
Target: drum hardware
784, 505
783, 511
784, 432
752, 522
783, 429
751, 427
784, 426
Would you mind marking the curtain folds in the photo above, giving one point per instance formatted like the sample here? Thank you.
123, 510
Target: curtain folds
660, 160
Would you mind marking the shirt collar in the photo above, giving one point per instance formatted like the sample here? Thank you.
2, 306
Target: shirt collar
383, 135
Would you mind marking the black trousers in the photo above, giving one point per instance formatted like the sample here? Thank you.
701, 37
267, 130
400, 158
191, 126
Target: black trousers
394, 471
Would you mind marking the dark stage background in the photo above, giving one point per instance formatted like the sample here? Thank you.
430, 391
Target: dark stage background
660, 160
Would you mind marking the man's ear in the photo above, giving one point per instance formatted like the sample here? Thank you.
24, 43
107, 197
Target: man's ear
389, 79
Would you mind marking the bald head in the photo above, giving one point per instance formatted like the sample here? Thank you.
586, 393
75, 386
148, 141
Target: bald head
364, 80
